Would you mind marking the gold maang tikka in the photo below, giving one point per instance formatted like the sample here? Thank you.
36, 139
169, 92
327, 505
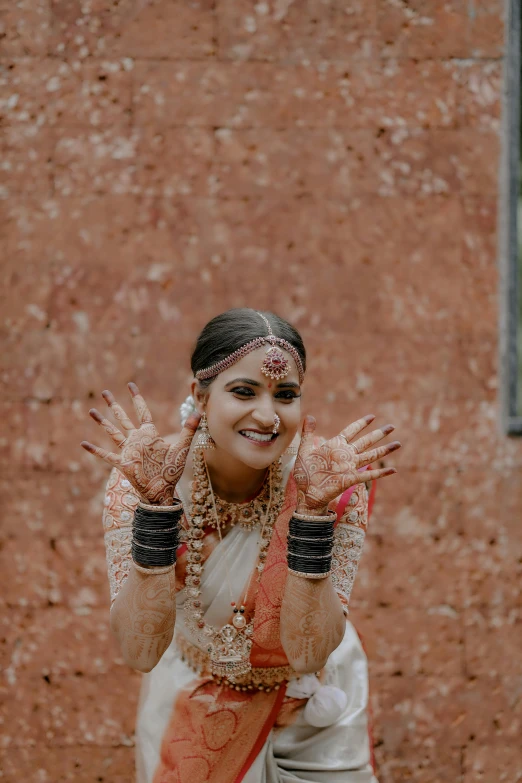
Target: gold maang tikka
275, 364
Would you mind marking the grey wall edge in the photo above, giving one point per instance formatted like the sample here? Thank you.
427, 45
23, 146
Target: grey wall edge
511, 418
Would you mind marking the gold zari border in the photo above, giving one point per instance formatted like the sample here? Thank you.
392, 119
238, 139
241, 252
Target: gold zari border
257, 679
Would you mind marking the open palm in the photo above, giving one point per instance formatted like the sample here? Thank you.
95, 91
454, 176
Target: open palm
323, 472
152, 465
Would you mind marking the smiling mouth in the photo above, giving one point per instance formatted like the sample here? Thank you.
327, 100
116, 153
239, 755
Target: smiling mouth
259, 438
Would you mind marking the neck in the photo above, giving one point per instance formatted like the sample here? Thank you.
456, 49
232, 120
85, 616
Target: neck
231, 479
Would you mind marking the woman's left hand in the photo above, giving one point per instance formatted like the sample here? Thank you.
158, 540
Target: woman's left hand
324, 472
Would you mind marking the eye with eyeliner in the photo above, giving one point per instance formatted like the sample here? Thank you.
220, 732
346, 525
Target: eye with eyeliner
242, 391
287, 395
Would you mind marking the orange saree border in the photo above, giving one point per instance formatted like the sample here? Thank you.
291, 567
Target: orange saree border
263, 735
214, 733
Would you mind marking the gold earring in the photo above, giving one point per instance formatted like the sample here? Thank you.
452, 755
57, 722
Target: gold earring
205, 440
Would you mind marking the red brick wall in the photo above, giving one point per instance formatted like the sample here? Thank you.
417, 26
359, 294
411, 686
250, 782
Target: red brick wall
335, 162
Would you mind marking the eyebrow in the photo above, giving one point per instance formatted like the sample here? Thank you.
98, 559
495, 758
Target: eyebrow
284, 384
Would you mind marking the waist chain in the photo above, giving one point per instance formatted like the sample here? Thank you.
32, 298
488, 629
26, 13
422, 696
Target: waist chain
269, 678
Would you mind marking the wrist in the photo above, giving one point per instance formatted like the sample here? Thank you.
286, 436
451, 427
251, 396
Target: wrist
310, 545
155, 535
154, 570
322, 511
169, 504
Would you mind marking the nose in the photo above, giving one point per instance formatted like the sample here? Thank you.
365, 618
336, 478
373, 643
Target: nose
264, 414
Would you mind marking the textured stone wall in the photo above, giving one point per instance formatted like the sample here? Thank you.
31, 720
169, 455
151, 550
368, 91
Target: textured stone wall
336, 162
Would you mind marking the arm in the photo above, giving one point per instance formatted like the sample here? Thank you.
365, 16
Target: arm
312, 622
349, 536
143, 610
312, 613
143, 617
148, 467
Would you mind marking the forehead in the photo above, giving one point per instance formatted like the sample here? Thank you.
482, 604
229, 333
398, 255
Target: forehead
250, 367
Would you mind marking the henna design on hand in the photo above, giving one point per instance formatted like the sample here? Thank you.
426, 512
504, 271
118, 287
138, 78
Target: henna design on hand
152, 465
324, 472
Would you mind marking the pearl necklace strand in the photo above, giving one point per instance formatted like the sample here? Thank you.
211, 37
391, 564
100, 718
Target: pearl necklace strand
228, 647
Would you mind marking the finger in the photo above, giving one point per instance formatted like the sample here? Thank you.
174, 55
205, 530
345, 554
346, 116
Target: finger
110, 428
140, 406
108, 456
118, 411
366, 441
189, 429
307, 435
373, 475
177, 454
353, 429
372, 456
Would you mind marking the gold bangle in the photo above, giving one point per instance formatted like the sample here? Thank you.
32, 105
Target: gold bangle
149, 507
308, 576
154, 569
318, 518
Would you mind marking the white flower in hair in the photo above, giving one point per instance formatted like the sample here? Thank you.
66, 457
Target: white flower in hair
186, 408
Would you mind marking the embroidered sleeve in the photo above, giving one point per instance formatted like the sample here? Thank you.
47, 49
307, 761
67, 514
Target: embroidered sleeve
348, 543
120, 503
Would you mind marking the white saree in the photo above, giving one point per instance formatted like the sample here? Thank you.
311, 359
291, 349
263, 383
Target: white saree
295, 753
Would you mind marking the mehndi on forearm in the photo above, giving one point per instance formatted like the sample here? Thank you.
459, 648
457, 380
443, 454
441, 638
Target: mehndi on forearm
143, 608
312, 622
312, 617
143, 616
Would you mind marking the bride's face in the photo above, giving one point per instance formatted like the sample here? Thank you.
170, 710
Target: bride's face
241, 407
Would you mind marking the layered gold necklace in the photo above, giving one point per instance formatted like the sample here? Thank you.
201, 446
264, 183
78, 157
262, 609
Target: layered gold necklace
228, 647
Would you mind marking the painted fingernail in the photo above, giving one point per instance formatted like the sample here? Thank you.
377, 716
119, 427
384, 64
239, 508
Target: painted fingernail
388, 428
369, 417
96, 415
394, 446
133, 388
391, 471
86, 445
108, 396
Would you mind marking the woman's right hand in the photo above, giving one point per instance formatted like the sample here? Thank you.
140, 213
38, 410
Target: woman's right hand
152, 465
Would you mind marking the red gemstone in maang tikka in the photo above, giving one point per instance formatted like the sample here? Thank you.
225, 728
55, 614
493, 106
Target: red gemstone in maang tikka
275, 364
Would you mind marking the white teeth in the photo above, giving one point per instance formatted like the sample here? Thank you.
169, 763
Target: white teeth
256, 436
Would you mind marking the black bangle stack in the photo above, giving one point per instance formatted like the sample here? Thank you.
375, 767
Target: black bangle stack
310, 544
155, 534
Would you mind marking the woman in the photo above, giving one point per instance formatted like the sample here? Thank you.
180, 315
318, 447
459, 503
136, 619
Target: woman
231, 561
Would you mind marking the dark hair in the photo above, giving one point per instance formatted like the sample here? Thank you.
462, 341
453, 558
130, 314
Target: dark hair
227, 332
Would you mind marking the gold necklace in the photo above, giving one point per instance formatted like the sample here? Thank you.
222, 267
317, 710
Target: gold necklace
245, 514
228, 647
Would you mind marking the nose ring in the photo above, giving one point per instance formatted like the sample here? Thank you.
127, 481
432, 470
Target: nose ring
277, 423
